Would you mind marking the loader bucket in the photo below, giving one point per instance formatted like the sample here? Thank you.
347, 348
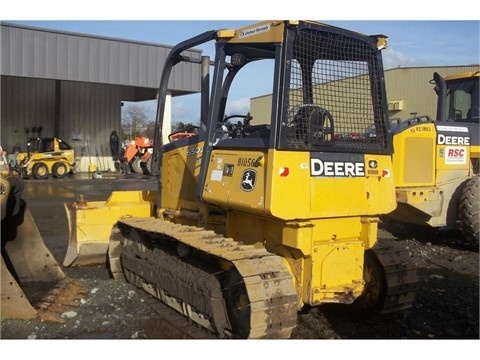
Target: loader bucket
15, 304
90, 224
28, 267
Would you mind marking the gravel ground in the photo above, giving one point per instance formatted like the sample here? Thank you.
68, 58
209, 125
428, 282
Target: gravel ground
446, 307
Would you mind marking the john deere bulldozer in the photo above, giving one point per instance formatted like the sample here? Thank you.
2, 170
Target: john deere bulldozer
436, 163
260, 214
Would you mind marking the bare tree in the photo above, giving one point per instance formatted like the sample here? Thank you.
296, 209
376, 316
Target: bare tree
150, 129
135, 122
181, 125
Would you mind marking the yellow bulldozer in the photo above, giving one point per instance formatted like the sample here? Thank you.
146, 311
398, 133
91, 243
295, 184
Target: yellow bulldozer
436, 163
260, 214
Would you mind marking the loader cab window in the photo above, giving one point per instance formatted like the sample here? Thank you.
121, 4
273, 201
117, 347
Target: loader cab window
47, 145
63, 145
463, 100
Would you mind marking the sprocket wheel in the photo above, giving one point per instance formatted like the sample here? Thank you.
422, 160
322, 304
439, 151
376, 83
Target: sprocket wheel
371, 302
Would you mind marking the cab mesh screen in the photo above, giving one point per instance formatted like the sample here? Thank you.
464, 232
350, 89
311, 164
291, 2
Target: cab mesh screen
334, 96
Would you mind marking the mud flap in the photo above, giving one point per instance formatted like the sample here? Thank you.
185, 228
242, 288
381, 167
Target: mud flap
90, 224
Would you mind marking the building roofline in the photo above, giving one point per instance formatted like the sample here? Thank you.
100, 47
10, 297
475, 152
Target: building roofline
429, 66
85, 35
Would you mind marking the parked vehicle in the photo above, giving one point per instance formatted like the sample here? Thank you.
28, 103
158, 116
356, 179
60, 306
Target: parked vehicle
436, 163
255, 218
45, 157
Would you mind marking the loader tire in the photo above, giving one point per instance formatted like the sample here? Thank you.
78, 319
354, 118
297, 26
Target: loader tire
137, 166
40, 170
5, 189
148, 165
469, 211
59, 170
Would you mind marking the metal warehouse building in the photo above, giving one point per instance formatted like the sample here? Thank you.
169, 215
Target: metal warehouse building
73, 85
410, 92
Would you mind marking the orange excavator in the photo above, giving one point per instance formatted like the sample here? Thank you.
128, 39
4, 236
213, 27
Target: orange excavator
137, 156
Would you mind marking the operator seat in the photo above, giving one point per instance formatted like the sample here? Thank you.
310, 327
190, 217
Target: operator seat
313, 124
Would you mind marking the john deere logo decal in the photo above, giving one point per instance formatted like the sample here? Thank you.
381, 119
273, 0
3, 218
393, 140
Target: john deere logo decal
249, 177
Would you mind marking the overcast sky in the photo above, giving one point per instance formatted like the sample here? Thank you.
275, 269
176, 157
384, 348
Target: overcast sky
419, 35
419, 39
411, 42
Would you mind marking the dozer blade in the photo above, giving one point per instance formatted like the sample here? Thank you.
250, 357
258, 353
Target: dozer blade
90, 224
26, 264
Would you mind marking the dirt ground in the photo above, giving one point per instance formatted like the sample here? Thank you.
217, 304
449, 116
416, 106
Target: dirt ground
446, 305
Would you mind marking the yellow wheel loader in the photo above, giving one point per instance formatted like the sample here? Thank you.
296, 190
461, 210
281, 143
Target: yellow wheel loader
32, 282
45, 157
436, 163
260, 214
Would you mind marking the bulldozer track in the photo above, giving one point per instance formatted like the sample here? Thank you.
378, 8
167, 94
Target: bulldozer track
183, 327
194, 284
400, 275
401, 279
150, 260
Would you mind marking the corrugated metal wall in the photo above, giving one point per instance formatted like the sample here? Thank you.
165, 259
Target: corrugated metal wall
25, 104
411, 90
72, 85
88, 113
43, 53
261, 109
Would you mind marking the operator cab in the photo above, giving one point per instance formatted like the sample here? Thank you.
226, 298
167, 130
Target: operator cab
463, 97
299, 74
